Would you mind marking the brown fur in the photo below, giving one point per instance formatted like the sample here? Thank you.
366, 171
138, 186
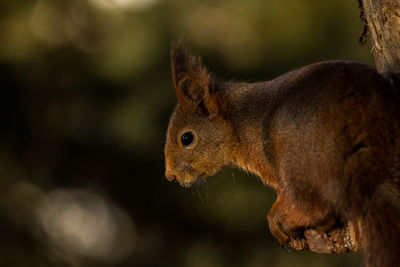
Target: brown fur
326, 137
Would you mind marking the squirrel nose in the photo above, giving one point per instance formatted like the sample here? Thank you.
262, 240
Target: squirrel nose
170, 177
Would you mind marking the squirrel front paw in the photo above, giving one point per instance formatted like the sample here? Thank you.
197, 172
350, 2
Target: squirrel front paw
288, 238
277, 230
288, 224
298, 238
323, 236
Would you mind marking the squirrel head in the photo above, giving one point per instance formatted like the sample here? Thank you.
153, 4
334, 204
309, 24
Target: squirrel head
200, 138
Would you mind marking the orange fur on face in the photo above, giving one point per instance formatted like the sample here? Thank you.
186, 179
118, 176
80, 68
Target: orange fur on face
187, 165
200, 104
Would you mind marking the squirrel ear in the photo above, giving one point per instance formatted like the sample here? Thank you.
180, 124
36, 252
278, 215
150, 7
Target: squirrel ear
194, 85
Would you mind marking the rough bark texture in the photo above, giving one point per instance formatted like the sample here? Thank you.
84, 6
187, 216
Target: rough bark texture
336, 241
383, 22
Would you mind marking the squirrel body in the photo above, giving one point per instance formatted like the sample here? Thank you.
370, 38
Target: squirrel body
325, 137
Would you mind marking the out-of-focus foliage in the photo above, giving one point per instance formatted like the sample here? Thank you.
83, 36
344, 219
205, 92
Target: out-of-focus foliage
85, 99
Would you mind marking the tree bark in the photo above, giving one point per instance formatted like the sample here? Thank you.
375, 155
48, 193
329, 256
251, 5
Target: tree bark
382, 18
335, 241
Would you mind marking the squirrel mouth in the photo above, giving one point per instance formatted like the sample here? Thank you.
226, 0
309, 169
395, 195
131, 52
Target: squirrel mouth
186, 184
199, 180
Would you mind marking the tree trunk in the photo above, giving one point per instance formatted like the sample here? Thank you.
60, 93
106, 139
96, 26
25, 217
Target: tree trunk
382, 18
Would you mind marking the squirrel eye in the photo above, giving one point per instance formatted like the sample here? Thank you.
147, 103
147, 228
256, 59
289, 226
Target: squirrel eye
187, 138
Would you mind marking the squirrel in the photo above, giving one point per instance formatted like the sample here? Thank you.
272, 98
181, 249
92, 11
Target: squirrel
325, 137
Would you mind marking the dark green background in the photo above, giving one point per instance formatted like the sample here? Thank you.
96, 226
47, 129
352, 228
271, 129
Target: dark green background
85, 99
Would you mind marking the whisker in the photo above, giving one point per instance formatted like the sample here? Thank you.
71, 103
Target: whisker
233, 177
201, 196
211, 189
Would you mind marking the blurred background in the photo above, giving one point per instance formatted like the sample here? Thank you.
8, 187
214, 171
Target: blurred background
85, 99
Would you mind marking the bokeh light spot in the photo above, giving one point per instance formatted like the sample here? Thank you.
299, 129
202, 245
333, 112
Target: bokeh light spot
81, 223
123, 4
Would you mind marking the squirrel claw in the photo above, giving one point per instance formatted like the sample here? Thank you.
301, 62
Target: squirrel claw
287, 247
279, 233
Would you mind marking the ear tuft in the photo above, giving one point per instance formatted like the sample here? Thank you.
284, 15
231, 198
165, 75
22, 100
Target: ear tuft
194, 85
183, 63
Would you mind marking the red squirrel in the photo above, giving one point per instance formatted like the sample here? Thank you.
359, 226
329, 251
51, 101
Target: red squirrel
325, 137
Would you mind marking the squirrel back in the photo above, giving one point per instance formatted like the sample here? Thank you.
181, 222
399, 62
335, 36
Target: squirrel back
325, 137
